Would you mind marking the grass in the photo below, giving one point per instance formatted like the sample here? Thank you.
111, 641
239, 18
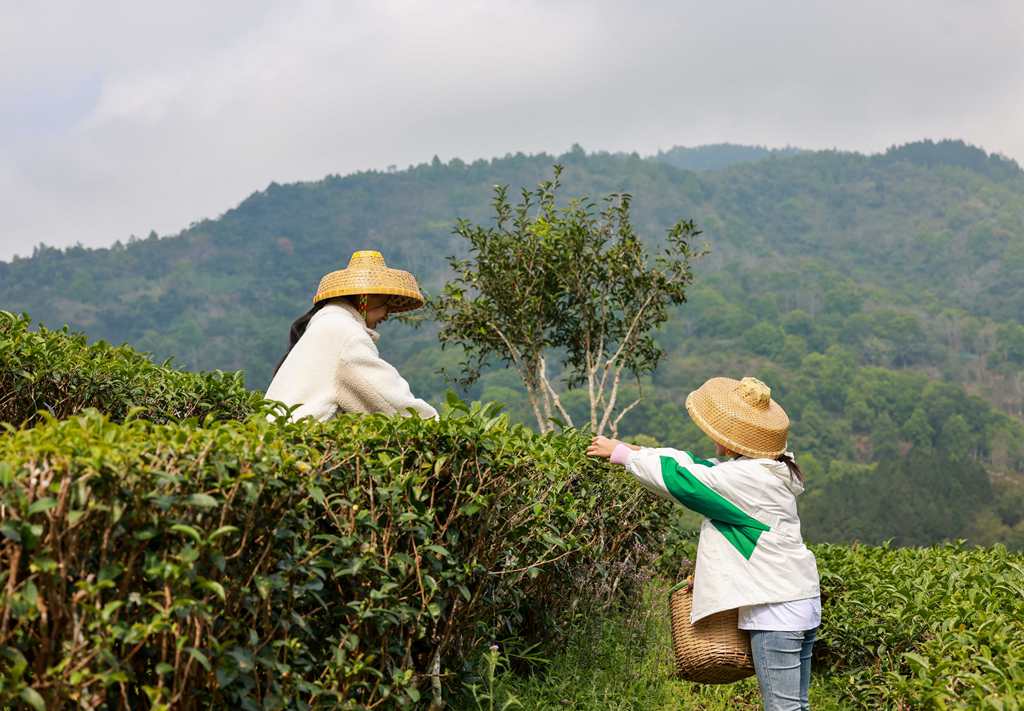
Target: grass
625, 663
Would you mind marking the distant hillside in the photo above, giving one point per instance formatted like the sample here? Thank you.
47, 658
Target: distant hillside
901, 231
959, 154
719, 155
880, 295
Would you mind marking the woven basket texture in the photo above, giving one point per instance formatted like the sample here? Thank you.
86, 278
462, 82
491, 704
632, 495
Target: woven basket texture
368, 274
712, 651
740, 415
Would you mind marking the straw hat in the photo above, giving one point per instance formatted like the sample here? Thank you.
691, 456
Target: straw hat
741, 416
368, 274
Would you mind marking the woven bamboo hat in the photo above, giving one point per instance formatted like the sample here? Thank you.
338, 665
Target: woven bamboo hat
741, 416
367, 273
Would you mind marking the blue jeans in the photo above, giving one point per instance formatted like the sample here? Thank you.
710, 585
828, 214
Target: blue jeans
782, 661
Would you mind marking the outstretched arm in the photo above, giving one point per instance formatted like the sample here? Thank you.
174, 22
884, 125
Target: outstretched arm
372, 384
605, 447
691, 481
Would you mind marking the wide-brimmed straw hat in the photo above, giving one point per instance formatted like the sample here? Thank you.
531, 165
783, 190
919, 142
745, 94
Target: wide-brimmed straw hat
367, 273
741, 416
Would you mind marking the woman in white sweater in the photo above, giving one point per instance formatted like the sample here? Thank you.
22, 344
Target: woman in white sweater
332, 364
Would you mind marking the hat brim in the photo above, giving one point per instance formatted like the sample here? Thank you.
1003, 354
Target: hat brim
736, 425
399, 285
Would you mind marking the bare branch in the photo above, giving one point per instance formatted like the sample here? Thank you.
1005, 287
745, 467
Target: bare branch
544, 389
632, 328
554, 395
610, 406
512, 350
531, 394
625, 411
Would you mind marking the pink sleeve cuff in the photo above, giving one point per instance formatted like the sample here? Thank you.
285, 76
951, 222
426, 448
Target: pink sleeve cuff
620, 455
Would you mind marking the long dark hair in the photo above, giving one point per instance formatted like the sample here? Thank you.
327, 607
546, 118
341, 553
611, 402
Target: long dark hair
794, 468
298, 328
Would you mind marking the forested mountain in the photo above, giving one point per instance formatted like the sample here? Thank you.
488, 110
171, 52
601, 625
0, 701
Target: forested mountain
718, 155
881, 296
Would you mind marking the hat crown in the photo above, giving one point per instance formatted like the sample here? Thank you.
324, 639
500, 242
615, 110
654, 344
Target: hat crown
755, 393
741, 416
366, 259
367, 273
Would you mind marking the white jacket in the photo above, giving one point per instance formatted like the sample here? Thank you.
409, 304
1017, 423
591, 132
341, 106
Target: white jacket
335, 367
750, 550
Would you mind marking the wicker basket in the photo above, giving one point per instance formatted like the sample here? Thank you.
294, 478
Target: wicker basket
713, 651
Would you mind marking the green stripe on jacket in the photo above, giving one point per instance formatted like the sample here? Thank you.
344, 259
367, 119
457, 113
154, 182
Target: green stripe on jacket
738, 527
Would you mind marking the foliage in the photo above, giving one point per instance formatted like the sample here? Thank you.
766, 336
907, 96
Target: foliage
624, 662
895, 280
956, 153
563, 280
850, 507
271, 565
901, 629
716, 156
59, 373
923, 627
892, 454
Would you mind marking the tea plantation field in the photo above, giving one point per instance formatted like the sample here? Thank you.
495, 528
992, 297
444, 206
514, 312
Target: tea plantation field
168, 541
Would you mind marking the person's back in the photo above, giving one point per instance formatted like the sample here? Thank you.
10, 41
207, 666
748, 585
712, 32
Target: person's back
333, 364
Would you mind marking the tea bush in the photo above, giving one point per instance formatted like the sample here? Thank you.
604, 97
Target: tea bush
937, 627
220, 561
907, 628
272, 565
60, 373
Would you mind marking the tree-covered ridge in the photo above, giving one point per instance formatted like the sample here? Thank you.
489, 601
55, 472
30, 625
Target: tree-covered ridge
941, 240
956, 153
718, 155
880, 296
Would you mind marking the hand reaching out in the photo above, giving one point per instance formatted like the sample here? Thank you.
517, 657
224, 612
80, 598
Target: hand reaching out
602, 447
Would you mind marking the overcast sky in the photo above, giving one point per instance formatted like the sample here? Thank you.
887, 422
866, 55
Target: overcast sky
118, 118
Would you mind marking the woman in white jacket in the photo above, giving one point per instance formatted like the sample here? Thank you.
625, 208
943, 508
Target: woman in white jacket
332, 364
750, 554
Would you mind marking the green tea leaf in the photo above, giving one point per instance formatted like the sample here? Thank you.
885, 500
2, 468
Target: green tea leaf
39, 505
203, 501
31, 697
213, 586
188, 531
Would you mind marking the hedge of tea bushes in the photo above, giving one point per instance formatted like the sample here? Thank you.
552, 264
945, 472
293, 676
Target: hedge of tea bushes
267, 565
61, 373
929, 628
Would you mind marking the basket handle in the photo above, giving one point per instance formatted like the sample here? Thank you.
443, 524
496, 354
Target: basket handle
679, 586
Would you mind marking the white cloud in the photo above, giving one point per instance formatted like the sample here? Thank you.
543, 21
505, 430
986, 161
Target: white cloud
118, 118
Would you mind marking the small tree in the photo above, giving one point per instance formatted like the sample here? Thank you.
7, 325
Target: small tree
574, 281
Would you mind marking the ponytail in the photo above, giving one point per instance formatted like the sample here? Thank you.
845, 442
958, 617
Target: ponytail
794, 468
297, 329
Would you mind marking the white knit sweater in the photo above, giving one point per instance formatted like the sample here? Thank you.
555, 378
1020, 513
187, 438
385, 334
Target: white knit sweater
335, 367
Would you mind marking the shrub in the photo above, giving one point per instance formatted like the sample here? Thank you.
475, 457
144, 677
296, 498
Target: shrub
923, 627
275, 565
908, 628
60, 373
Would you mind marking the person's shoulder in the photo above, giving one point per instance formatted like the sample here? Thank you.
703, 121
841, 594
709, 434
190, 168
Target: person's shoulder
744, 465
334, 321
682, 457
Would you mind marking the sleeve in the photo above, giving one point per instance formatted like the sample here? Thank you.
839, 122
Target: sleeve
695, 483
698, 484
370, 383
